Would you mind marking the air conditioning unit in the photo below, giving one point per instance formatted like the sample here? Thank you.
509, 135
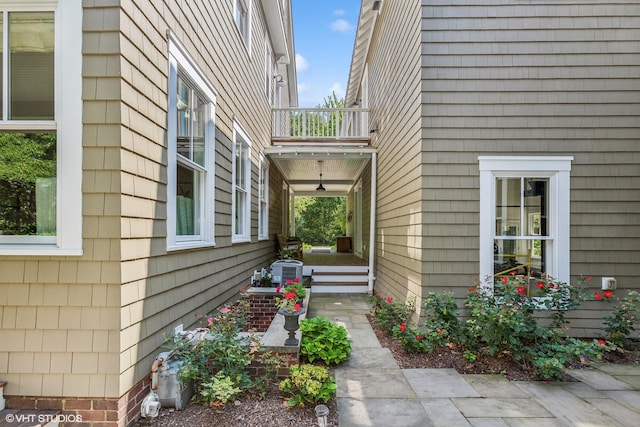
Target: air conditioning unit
286, 269
609, 283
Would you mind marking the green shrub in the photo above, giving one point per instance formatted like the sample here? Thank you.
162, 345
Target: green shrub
324, 340
411, 338
389, 314
441, 319
308, 384
220, 388
624, 319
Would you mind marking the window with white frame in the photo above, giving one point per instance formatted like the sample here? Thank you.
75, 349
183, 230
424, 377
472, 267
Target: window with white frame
191, 142
242, 12
41, 127
241, 198
524, 217
263, 199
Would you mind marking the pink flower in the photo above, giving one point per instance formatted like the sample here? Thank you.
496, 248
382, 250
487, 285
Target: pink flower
540, 285
587, 278
388, 299
597, 296
403, 327
296, 307
439, 330
521, 290
278, 289
504, 280
418, 337
224, 310
296, 280
288, 282
210, 320
608, 294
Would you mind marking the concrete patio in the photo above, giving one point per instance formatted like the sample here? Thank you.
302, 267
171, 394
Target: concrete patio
374, 392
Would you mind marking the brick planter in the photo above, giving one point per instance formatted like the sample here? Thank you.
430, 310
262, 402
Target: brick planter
262, 308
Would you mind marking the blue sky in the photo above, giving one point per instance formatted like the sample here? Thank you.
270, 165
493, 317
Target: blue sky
324, 33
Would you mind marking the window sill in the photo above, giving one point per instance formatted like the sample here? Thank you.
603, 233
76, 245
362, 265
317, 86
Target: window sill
241, 240
38, 250
190, 245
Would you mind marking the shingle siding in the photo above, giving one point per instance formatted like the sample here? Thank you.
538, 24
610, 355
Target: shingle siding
532, 79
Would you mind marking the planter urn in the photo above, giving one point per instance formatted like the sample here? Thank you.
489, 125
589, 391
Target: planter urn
291, 324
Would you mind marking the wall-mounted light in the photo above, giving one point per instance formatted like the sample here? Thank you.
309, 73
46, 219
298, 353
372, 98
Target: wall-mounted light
280, 81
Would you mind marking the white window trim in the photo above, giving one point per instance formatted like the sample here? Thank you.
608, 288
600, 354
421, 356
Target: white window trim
269, 74
246, 236
263, 232
68, 125
557, 169
179, 56
247, 41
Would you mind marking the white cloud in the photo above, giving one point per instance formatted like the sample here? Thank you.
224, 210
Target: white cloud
338, 89
301, 63
302, 88
339, 12
341, 25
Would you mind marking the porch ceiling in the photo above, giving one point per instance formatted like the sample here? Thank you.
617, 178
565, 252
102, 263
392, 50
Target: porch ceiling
341, 167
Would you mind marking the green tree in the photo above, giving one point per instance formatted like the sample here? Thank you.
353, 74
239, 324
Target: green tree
27, 162
319, 123
319, 220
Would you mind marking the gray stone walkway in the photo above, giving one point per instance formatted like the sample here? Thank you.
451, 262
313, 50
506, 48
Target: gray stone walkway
374, 392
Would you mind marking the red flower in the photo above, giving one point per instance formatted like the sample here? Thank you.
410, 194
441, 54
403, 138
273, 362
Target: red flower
472, 289
504, 280
540, 285
290, 295
439, 330
521, 290
602, 342
288, 282
587, 278
278, 289
551, 286
402, 327
296, 280
388, 299
418, 337
297, 307
608, 294
597, 296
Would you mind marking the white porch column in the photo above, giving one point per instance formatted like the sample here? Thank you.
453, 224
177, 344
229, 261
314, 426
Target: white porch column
372, 221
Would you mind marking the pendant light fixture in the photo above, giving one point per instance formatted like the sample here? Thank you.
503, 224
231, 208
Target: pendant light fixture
320, 186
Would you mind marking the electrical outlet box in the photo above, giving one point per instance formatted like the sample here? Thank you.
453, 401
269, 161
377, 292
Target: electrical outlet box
179, 329
609, 283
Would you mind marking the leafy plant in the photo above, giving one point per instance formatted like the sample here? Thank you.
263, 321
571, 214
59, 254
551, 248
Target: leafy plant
308, 384
411, 338
624, 318
324, 340
221, 388
441, 311
389, 314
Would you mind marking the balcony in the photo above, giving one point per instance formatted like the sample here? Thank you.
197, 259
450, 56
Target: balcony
320, 125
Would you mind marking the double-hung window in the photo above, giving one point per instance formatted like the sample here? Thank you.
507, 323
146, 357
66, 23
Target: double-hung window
241, 198
242, 12
524, 218
41, 127
191, 142
263, 199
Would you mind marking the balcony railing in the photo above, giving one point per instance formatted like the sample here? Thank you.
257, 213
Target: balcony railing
320, 124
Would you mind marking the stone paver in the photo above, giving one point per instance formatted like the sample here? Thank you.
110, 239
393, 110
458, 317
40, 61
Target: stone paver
617, 411
372, 358
443, 412
499, 407
487, 422
373, 383
382, 413
564, 405
598, 379
438, 383
492, 385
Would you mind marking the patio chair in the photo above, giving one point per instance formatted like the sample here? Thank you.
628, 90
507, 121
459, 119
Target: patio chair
290, 248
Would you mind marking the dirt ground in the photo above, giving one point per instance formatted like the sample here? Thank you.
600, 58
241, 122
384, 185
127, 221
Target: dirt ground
252, 410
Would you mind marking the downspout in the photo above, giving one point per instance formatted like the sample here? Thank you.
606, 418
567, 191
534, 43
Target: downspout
372, 221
